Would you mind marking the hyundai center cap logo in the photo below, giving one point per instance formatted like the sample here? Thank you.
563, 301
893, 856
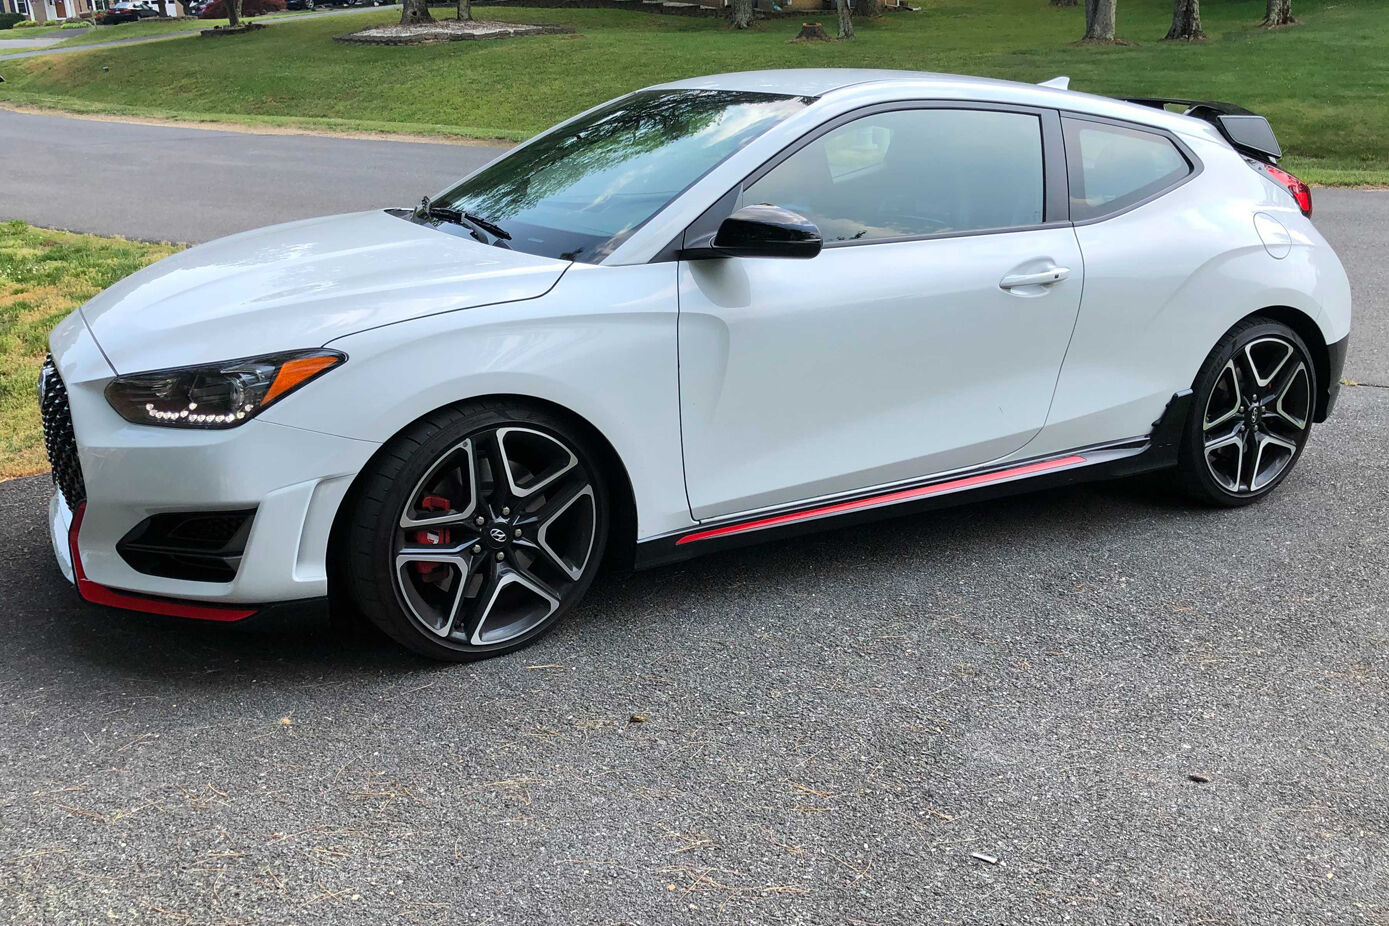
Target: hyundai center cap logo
498, 534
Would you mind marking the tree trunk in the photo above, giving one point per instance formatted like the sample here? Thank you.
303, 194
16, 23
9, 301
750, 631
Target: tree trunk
846, 24
871, 8
465, 10
1186, 21
812, 32
233, 12
415, 11
742, 14
1064, 2
1279, 13
1099, 20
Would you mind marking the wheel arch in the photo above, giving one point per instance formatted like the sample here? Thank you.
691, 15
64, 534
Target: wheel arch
1311, 334
621, 551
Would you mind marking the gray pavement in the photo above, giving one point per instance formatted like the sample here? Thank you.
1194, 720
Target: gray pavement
169, 183
1148, 713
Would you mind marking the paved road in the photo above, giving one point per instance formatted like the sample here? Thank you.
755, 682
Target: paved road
831, 726
40, 46
165, 183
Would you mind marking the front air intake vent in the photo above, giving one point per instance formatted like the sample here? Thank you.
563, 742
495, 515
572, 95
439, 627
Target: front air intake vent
198, 546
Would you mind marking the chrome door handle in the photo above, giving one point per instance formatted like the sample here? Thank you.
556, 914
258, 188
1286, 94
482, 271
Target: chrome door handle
1040, 278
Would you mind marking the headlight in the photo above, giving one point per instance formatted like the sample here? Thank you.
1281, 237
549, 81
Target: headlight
217, 395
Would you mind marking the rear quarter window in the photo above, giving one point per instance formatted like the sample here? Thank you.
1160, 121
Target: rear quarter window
1113, 167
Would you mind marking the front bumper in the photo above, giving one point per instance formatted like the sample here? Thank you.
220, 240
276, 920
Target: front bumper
295, 479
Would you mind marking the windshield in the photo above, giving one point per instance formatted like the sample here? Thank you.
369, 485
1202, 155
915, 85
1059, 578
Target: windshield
581, 190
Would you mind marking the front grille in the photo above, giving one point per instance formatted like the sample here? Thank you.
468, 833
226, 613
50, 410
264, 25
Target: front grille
58, 437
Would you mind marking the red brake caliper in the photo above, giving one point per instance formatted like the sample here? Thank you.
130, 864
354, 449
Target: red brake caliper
432, 538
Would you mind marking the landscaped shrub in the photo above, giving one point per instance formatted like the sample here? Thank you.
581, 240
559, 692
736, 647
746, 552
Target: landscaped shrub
73, 24
8, 20
217, 9
27, 24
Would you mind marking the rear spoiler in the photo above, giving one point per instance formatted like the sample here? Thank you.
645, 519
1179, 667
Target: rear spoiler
1246, 132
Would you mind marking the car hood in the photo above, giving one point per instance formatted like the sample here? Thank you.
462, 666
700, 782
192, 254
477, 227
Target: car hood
301, 285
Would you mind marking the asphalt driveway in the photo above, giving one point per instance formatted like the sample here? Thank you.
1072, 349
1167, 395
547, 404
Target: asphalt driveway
170, 183
1146, 713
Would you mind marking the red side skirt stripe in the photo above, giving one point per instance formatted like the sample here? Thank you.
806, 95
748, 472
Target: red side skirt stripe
968, 482
100, 594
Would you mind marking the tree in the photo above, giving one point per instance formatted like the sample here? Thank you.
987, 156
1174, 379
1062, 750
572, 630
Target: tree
1186, 21
1099, 21
846, 24
465, 10
1279, 13
233, 13
871, 8
742, 14
415, 11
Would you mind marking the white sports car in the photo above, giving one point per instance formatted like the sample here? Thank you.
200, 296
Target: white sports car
706, 313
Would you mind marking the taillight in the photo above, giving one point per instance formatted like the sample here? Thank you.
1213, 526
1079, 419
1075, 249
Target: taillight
1301, 191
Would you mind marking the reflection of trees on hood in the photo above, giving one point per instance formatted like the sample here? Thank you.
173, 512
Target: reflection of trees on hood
624, 131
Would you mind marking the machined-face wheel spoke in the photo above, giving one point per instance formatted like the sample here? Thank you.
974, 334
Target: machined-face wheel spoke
1257, 415
514, 535
1225, 399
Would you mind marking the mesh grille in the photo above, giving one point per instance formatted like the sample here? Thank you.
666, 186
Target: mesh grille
58, 437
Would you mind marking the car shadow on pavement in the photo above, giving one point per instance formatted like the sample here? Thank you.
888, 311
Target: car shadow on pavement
49, 625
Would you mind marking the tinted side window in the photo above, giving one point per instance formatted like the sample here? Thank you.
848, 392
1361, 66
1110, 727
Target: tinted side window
1112, 167
914, 172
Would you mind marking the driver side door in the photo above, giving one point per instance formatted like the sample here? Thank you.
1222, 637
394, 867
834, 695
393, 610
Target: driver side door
925, 337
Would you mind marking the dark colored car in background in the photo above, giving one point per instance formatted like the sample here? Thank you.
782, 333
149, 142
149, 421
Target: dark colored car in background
128, 14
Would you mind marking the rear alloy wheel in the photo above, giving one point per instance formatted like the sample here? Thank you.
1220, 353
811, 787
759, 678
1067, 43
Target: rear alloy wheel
1252, 414
484, 536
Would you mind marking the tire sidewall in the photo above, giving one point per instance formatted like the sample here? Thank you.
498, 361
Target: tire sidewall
385, 607
1193, 460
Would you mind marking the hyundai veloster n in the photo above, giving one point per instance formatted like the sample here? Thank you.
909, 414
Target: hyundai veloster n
703, 314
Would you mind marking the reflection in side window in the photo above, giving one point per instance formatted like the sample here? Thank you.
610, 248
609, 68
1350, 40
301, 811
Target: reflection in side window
1112, 167
914, 172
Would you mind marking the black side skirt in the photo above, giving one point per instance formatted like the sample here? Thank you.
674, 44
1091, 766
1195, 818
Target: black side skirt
1157, 451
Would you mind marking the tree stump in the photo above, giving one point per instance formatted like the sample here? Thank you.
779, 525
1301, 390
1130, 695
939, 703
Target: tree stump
812, 32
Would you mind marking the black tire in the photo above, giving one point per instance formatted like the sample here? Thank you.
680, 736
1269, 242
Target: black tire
1222, 461
484, 594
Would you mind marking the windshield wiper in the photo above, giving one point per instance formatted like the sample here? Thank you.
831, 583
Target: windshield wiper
474, 223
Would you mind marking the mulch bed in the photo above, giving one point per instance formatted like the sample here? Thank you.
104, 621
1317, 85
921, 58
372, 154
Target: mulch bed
444, 30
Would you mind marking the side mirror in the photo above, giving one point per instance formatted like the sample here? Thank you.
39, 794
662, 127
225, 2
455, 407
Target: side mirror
760, 231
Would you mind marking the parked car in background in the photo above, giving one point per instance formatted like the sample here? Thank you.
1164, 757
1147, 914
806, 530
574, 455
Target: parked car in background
217, 9
126, 12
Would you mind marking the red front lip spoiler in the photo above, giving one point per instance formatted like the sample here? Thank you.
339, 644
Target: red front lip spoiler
100, 594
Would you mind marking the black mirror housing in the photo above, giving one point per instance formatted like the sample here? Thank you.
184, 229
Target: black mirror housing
763, 230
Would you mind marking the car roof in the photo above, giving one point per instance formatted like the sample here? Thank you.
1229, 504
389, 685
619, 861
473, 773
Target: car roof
823, 82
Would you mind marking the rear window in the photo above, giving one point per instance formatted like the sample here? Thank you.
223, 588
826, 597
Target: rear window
1113, 167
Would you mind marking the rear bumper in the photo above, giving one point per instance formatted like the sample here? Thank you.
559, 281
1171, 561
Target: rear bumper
1336, 355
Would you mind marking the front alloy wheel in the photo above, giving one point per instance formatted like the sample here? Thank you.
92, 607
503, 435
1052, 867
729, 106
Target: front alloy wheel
487, 533
1255, 399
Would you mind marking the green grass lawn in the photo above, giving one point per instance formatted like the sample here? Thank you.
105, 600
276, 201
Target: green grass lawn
34, 33
1325, 83
44, 275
